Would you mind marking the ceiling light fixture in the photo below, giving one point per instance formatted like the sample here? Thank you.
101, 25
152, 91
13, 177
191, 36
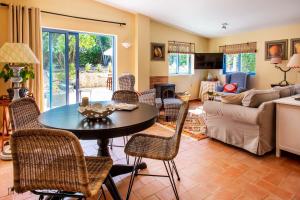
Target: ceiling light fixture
224, 25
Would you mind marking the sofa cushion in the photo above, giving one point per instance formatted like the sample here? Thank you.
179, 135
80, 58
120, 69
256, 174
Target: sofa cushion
233, 98
233, 112
230, 87
285, 91
254, 98
296, 89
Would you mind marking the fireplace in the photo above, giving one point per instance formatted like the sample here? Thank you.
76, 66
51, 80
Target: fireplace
165, 90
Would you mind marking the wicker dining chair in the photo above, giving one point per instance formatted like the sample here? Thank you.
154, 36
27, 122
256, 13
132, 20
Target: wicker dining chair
51, 162
124, 96
156, 147
24, 114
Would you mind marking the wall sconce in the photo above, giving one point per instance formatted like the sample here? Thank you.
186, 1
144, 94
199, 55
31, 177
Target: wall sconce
126, 45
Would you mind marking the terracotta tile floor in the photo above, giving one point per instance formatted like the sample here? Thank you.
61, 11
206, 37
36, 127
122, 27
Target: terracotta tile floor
209, 170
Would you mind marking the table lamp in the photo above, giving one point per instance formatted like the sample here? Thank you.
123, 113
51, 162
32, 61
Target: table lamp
17, 56
294, 62
276, 61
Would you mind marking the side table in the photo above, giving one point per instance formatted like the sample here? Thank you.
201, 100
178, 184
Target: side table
5, 121
205, 87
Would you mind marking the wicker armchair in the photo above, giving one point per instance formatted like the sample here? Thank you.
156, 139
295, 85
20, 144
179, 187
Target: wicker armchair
51, 162
159, 148
24, 114
126, 82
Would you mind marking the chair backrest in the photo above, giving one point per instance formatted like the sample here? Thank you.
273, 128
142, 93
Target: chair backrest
126, 82
48, 159
183, 111
125, 96
24, 114
241, 78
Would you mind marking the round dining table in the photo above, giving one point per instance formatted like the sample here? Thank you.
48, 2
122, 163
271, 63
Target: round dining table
119, 123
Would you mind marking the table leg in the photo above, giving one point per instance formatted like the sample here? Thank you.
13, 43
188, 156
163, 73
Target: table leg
117, 169
103, 147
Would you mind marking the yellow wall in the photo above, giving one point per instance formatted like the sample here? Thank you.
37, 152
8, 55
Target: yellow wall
265, 72
161, 33
142, 52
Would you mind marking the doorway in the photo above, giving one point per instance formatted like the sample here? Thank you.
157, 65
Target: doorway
77, 64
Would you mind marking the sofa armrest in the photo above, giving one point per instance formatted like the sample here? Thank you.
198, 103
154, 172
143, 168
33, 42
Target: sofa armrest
234, 112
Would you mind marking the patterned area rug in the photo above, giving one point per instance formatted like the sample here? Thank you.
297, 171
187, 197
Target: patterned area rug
194, 125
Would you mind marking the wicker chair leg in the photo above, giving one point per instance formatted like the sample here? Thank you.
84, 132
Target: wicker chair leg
176, 171
112, 188
101, 193
170, 175
133, 174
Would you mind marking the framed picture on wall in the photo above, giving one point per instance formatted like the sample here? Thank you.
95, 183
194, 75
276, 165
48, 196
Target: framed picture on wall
158, 51
276, 48
295, 46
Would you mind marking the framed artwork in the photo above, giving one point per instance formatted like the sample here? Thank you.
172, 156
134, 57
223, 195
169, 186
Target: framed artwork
158, 51
276, 48
295, 46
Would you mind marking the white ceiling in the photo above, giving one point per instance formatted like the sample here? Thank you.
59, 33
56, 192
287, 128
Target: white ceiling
204, 17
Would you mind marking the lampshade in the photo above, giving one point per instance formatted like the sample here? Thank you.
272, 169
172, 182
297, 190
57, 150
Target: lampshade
17, 53
294, 61
276, 60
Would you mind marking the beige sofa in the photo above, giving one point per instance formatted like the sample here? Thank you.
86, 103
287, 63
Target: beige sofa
250, 128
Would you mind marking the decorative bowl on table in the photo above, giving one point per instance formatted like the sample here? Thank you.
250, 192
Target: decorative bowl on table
96, 111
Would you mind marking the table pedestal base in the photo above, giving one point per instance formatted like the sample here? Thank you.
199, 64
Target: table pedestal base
117, 169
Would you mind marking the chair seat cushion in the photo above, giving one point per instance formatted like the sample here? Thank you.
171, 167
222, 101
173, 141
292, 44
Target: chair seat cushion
170, 103
150, 146
158, 103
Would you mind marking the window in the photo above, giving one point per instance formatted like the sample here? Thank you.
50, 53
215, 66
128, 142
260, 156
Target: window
240, 62
181, 63
181, 57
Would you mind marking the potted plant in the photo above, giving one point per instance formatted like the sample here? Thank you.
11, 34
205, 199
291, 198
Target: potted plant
26, 73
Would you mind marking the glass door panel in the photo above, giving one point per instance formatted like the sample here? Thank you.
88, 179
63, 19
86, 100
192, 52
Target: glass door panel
46, 69
76, 65
73, 68
96, 66
58, 70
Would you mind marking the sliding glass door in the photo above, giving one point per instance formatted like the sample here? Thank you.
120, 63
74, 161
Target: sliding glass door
76, 65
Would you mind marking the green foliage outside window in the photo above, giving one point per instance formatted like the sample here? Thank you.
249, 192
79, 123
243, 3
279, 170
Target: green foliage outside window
244, 62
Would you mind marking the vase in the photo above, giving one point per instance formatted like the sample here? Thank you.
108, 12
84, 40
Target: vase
22, 92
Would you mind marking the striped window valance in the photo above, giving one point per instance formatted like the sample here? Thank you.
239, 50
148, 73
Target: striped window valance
181, 47
249, 47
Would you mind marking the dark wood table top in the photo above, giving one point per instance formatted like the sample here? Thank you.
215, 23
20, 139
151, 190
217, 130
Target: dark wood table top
119, 123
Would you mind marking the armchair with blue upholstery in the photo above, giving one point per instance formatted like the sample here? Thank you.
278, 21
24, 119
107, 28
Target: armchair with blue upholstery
240, 78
